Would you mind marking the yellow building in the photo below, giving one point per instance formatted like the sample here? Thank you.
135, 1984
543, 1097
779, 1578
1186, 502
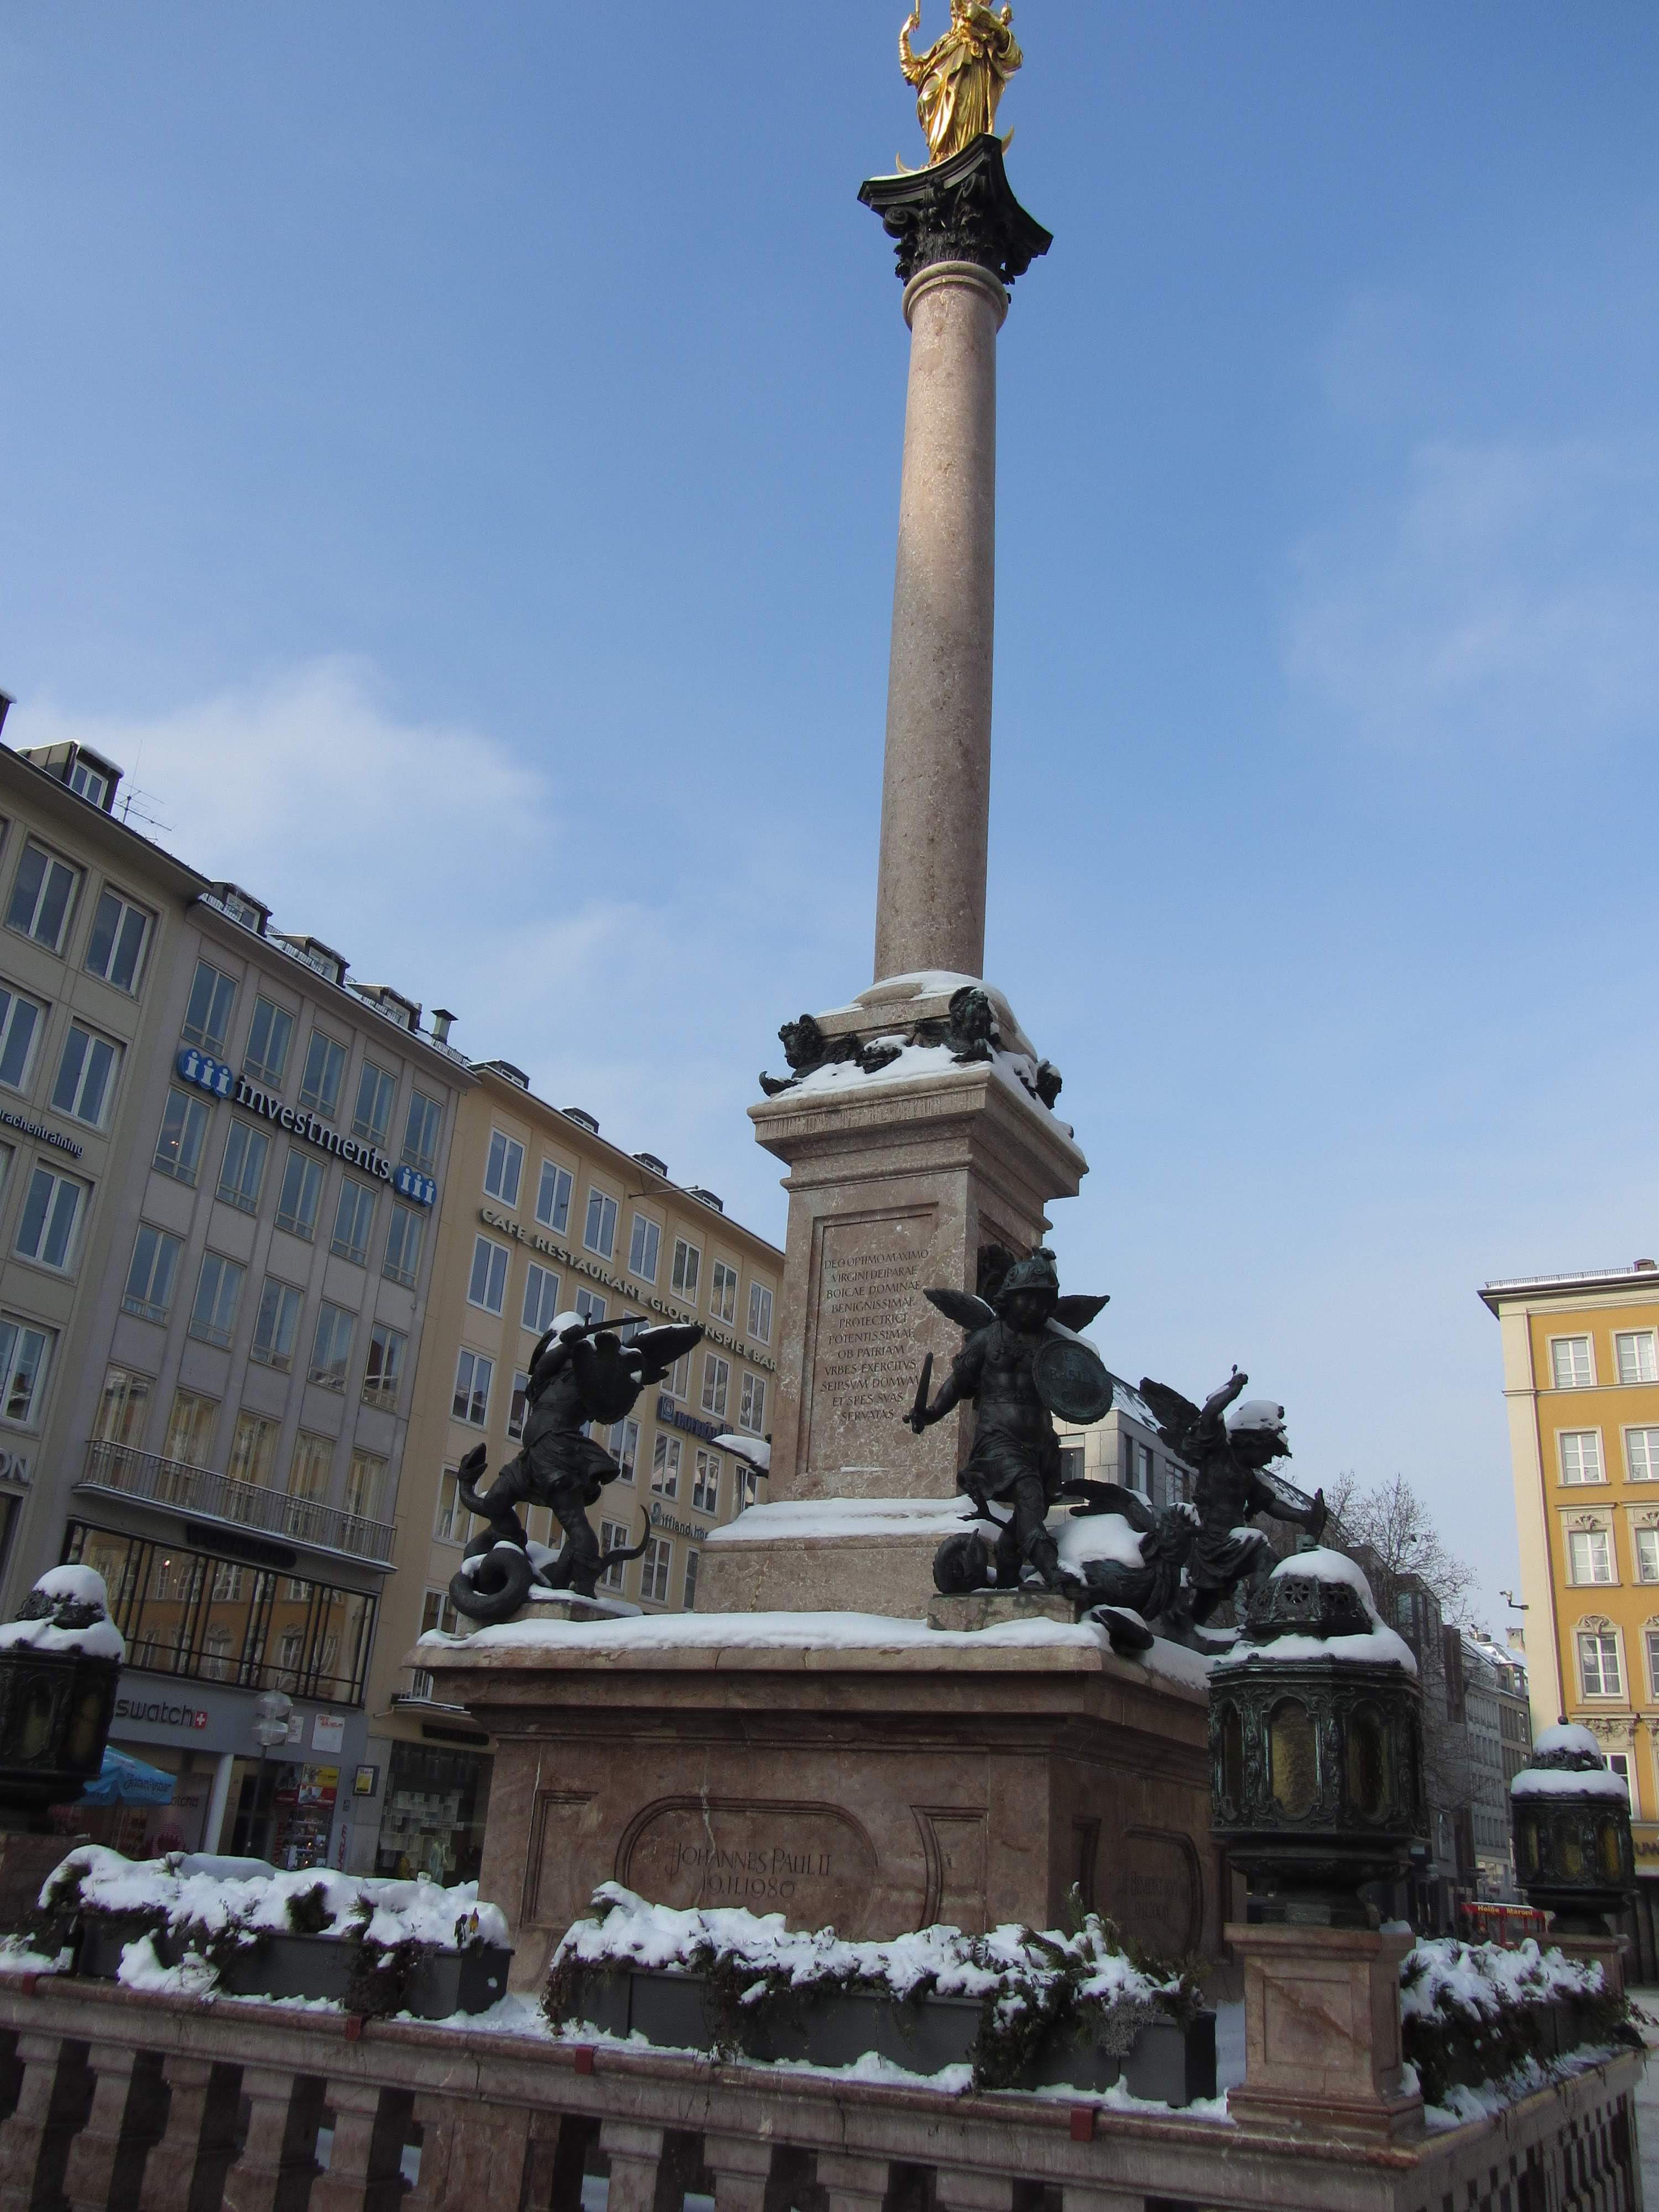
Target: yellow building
1581, 1373
541, 1216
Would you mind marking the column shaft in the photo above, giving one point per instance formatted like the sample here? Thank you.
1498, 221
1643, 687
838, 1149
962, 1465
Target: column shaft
930, 905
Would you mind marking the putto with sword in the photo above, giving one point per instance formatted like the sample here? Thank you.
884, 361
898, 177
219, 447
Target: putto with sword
1023, 1363
582, 1372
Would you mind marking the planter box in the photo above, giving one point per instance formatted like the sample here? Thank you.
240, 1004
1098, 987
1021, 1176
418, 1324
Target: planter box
1167, 2062
442, 1983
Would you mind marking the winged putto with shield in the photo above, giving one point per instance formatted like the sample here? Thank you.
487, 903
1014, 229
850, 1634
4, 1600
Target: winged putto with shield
1023, 1363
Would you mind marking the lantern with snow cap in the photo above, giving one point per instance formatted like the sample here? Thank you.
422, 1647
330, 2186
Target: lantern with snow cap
1315, 1746
60, 1662
1572, 1839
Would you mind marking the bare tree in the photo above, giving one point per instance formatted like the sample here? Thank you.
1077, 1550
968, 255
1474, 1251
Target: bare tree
1393, 1522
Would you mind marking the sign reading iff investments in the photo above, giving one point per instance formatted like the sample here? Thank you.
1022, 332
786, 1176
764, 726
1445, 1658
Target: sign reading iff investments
213, 1075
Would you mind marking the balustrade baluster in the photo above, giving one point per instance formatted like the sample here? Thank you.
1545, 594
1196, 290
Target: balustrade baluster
272, 2173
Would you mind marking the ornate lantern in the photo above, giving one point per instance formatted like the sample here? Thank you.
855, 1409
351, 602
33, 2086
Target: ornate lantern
1315, 1746
59, 1661
1572, 1839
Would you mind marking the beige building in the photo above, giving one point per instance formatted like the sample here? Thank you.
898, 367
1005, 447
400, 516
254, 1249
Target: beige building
219, 1162
541, 1216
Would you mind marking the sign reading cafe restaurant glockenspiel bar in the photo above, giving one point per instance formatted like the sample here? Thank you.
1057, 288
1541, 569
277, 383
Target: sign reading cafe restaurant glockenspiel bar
222, 1081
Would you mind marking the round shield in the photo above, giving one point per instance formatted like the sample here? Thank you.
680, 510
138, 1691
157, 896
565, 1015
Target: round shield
1071, 1379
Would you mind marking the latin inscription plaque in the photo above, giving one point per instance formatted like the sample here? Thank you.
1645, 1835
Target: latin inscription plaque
811, 1862
871, 1321
1162, 1890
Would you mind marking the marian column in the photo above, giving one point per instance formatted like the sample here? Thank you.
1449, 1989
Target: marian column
917, 1122
963, 238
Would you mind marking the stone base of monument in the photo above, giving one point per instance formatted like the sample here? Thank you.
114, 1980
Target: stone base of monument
567, 1605
847, 1771
977, 1609
1321, 2033
824, 1554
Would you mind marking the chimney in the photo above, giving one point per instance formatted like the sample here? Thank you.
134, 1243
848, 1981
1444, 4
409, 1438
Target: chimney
443, 1021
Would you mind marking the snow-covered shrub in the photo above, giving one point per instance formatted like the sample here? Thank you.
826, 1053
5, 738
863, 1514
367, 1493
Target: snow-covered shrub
1476, 2012
1030, 1987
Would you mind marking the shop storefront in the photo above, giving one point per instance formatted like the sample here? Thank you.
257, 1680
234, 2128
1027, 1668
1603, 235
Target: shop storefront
432, 1820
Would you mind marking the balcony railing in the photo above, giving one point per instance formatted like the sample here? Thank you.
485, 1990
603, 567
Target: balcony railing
199, 1490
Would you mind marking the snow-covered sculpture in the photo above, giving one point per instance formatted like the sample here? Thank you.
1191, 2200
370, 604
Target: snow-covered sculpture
582, 1372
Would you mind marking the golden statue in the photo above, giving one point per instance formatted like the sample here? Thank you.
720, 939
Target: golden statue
959, 79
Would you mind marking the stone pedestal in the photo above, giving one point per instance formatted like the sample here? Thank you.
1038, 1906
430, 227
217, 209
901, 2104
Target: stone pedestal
849, 1771
895, 1185
1321, 2031
1607, 1952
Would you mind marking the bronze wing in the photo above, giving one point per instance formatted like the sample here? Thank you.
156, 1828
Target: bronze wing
962, 1307
1077, 1313
1176, 1416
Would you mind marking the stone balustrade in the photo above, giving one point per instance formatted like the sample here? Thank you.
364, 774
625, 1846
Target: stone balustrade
115, 2101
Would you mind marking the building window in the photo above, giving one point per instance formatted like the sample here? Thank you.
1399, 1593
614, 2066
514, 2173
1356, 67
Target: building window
553, 1198
445, 1526
1641, 1454
751, 1413
178, 1147
86, 1077
404, 1241
437, 1615
1598, 1663
353, 1221
1647, 1555
1650, 1638
151, 1274
49, 1230
706, 1482
330, 1345
600, 1233
193, 1615
688, 1265
422, 1128
1618, 1764
19, 1025
723, 1293
488, 1287
218, 1293
1581, 1454
716, 1385
42, 896
1571, 1362
313, 1462
625, 1449
244, 1168
654, 1570
364, 1484
207, 1016
25, 1358
123, 1406
541, 1299
590, 1306
644, 1249
503, 1168
613, 1537
748, 1488
252, 1449
115, 950
760, 1313
375, 1092
1589, 1555
277, 1326
666, 1467
383, 1374
270, 1034
677, 1380
690, 1597
297, 1201
1633, 1355
519, 1405
473, 1374
190, 1428
324, 1071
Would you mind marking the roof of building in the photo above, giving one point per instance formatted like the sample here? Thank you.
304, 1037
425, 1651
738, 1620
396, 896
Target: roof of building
1638, 1273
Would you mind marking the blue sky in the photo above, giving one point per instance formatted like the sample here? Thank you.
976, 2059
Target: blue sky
449, 455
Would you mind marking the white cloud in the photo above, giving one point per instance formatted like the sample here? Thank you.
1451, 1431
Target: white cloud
1509, 593
438, 862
